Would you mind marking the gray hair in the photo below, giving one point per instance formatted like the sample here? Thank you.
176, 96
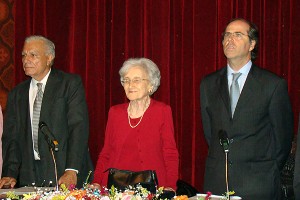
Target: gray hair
50, 47
148, 65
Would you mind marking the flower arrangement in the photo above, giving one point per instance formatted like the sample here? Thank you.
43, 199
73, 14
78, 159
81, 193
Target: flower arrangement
90, 193
86, 193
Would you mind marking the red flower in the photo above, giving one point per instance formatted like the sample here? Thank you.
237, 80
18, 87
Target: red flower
150, 196
208, 194
71, 187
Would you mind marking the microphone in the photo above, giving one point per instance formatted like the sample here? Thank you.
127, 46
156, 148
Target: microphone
52, 142
224, 141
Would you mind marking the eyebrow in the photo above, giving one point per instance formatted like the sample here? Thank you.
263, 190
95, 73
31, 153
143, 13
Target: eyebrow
133, 77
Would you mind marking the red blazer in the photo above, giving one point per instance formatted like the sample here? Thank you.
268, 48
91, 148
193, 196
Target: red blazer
151, 145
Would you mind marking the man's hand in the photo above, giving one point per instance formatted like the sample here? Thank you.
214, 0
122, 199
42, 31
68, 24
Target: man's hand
68, 178
7, 182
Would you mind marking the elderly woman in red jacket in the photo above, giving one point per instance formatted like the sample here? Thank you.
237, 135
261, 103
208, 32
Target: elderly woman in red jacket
140, 134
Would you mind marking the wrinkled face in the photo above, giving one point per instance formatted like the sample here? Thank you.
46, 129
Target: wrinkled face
136, 84
236, 42
35, 61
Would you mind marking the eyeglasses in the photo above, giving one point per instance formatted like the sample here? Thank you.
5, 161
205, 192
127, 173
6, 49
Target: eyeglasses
235, 35
135, 81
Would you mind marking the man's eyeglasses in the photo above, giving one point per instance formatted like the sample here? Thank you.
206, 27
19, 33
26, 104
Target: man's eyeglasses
135, 81
234, 35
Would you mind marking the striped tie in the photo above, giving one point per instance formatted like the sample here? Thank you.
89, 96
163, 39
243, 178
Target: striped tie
36, 115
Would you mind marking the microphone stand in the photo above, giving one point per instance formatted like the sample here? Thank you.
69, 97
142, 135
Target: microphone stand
53, 145
226, 174
55, 169
224, 141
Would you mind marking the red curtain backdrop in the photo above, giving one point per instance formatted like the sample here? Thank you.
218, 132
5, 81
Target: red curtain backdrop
6, 50
93, 38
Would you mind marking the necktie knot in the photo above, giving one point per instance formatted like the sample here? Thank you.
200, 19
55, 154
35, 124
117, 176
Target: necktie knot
235, 77
40, 86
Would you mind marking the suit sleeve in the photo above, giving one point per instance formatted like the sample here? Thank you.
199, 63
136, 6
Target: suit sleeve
78, 125
10, 148
170, 151
204, 114
281, 116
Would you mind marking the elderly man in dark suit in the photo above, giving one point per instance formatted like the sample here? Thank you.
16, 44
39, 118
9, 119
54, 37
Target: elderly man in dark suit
53, 97
252, 106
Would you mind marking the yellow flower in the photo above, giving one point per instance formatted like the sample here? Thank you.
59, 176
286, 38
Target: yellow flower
181, 197
12, 195
59, 197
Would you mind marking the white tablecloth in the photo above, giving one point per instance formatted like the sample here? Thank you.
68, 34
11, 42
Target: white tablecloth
214, 197
25, 190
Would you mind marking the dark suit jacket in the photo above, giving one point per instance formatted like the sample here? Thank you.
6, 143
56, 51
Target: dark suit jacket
64, 110
260, 134
297, 167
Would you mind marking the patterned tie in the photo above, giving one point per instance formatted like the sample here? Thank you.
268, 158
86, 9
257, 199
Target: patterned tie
234, 91
36, 115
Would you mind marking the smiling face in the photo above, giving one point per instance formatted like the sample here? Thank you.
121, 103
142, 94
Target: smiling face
36, 63
136, 84
238, 49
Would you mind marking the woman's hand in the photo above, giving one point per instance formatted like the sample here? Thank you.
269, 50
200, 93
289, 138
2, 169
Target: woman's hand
94, 186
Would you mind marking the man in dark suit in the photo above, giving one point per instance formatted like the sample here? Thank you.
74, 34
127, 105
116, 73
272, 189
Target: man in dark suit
259, 126
64, 110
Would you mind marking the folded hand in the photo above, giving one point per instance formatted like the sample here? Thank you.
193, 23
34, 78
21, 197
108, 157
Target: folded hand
68, 178
7, 182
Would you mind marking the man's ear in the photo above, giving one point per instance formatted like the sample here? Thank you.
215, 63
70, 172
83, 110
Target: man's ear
49, 60
252, 45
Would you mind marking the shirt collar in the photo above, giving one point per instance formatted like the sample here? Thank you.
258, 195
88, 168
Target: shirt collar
44, 80
244, 70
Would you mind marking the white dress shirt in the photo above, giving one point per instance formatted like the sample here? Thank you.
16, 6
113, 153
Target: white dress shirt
32, 95
242, 79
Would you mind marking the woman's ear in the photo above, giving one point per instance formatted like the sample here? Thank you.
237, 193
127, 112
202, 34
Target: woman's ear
151, 89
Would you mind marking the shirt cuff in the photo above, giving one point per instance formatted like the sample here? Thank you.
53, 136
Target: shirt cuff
69, 169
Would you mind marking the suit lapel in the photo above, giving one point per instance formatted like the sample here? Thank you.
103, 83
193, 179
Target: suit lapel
223, 89
248, 91
25, 122
24, 106
49, 93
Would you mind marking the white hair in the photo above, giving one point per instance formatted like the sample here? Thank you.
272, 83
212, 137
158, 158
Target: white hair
50, 47
148, 65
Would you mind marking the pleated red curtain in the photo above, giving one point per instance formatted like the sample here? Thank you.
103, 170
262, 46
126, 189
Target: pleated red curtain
93, 38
